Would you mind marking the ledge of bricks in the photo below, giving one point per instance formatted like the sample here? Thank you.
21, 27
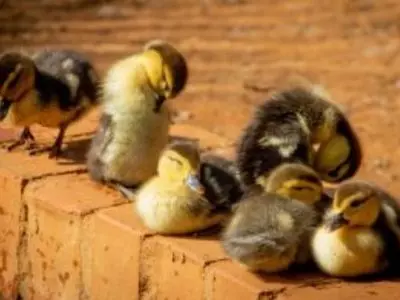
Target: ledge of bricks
63, 236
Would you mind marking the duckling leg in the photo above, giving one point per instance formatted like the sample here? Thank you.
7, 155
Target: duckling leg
26, 136
55, 149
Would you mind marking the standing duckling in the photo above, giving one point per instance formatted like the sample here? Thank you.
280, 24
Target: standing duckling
271, 225
287, 127
53, 88
135, 121
173, 202
360, 232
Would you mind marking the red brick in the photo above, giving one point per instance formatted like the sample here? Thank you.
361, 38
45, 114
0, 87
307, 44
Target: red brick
173, 267
342, 290
113, 239
56, 208
10, 231
229, 280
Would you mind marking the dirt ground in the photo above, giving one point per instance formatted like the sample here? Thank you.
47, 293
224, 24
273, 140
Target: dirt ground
235, 49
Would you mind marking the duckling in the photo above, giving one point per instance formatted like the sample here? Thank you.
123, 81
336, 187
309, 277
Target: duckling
271, 225
288, 127
52, 88
135, 122
173, 201
360, 232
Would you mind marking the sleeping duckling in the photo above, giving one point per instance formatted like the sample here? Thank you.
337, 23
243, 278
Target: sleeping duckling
287, 127
173, 202
360, 233
53, 88
134, 125
271, 225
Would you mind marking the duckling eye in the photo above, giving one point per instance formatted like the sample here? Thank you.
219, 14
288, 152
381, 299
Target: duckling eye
357, 203
175, 160
302, 188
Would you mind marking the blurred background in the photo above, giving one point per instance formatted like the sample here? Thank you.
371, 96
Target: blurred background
236, 50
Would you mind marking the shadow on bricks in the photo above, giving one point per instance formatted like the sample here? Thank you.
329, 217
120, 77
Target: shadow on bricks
75, 151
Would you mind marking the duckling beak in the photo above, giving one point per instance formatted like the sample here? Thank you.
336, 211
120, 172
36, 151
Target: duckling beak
194, 183
4, 107
335, 222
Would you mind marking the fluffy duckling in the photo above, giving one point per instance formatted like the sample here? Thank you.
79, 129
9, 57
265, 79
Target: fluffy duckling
134, 124
174, 202
288, 127
53, 88
271, 226
360, 232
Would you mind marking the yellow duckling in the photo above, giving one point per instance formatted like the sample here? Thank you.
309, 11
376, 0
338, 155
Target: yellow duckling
134, 124
287, 128
271, 226
53, 88
173, 202
360, 232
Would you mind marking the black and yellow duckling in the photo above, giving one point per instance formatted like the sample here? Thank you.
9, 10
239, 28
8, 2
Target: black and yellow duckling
360, 232
287, 128
272, 224
53, 88
135, 121
174, 201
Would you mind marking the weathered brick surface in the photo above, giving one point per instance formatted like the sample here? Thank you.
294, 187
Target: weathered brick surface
223, 276
56, 209
173, 267
16, 169
10, 231
112, 246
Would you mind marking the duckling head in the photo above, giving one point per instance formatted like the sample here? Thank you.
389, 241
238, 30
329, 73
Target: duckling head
355, 204
296, 181
17, 76
166, 68
180, 163
338, 159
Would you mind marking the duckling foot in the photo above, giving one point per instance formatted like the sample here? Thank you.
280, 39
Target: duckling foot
26, 137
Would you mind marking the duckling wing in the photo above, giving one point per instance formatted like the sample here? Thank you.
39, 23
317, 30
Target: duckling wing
218, 176
390, 256
99, 144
